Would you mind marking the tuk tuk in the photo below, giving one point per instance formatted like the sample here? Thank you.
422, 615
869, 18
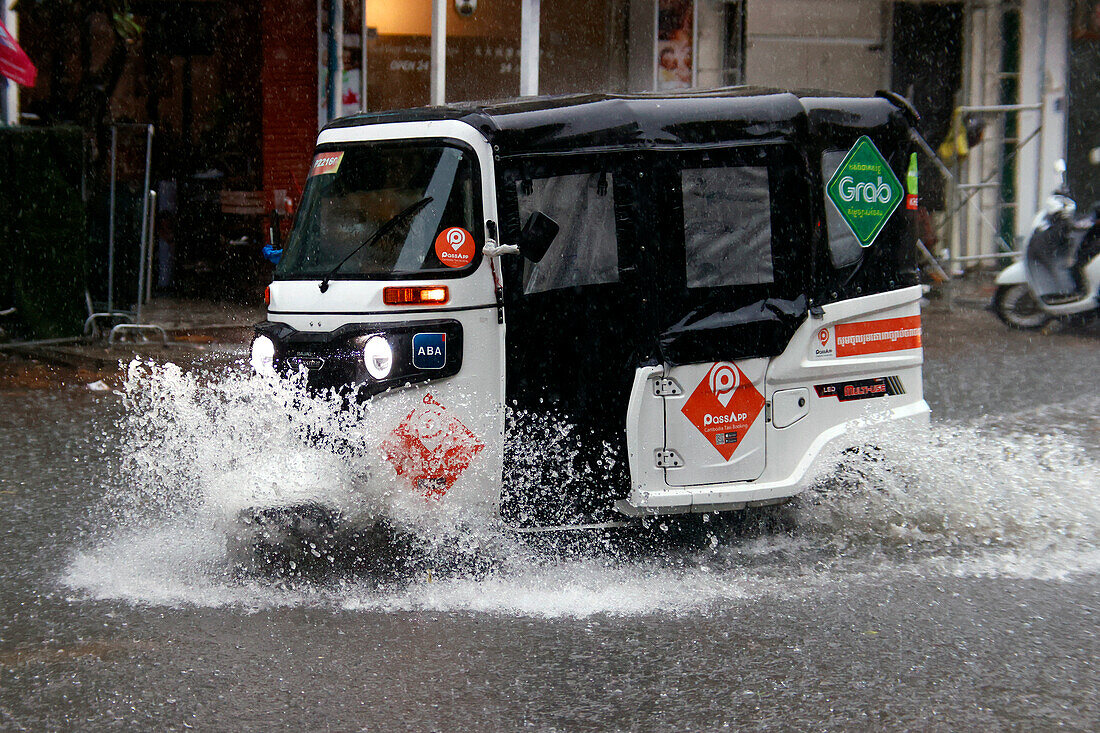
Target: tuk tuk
601, 306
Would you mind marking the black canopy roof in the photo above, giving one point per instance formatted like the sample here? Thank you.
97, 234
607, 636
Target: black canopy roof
607, 121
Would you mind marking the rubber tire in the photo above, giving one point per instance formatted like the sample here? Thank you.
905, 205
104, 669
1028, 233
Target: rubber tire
1004, 300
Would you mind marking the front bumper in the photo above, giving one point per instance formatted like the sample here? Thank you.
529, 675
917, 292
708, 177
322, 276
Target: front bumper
333, 360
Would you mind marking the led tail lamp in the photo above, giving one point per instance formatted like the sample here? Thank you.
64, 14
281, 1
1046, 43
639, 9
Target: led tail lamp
430, 295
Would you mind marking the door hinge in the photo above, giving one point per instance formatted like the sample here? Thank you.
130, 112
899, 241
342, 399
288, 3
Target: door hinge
668, 458
666, 387
767, 412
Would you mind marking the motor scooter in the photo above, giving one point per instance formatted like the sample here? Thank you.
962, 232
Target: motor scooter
1058, 275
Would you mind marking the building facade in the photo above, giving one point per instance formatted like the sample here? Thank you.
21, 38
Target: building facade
261, 77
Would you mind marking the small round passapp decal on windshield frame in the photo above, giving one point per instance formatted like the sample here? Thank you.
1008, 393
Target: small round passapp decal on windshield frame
455, 247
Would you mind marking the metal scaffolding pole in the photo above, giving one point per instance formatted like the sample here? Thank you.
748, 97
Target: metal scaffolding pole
529, 48
335, 57
111, 223
363, 32
439, 52
144, 243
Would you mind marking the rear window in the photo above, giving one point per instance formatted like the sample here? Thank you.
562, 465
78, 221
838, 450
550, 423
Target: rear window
844, 248
727, 226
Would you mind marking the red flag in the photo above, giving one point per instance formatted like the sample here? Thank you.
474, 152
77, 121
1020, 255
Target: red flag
14, 63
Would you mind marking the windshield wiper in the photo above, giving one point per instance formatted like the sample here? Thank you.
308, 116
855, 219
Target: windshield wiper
387, 227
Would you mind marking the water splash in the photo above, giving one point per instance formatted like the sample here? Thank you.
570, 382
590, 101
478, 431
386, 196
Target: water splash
215, 446
955, 499
556, 472
955, 489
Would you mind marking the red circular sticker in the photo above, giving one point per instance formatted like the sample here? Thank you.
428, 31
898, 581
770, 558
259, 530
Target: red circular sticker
455, 247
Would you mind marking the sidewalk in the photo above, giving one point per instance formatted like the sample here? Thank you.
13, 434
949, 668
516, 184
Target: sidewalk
973, 291
198, 330
204, 331
204, 321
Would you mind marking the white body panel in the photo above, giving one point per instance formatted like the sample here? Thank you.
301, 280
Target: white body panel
808, 429
702, 463
476, 394
1014, 274
1092, 278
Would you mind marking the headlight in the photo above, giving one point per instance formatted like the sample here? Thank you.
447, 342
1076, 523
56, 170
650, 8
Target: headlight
263, 356
378, 356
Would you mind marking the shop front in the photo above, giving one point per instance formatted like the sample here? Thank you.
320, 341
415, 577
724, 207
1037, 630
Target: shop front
423, 52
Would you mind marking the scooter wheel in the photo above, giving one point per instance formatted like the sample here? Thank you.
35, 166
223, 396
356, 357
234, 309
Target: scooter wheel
1016, 307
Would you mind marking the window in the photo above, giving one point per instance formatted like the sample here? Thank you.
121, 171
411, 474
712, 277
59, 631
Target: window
727, 226
355, 189
585, 250
844, 248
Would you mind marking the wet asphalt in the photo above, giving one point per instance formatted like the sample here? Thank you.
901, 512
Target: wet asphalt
963, 628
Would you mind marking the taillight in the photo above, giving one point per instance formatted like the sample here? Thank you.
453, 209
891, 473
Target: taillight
267, 295
430, 295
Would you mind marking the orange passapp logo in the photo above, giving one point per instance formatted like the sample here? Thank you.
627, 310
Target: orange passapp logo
455, 247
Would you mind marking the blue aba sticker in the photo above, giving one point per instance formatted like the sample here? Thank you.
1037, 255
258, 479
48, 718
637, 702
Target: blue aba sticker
429, 350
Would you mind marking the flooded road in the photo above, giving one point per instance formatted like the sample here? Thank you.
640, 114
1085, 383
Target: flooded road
946, 580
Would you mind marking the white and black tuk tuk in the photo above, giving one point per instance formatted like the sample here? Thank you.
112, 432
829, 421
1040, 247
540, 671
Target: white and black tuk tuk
704, 288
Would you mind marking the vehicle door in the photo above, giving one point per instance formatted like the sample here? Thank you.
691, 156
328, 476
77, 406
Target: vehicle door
576, 329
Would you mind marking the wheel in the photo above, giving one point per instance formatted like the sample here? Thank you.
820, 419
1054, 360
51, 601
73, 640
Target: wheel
1016, 307
286, 540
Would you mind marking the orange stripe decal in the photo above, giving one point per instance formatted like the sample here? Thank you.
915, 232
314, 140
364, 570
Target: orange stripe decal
873, 337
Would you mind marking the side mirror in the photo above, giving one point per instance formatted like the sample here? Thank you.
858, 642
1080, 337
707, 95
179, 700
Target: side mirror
537, 236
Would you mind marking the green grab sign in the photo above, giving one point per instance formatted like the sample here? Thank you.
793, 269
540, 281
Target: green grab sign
865, 191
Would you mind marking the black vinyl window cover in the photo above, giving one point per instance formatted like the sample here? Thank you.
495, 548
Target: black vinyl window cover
727, 225
744, 319
585, 251
609, 179
695, 324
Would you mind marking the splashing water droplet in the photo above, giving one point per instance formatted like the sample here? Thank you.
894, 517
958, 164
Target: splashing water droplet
198, 449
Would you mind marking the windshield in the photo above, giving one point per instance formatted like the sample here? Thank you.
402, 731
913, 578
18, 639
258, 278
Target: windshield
355, 189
